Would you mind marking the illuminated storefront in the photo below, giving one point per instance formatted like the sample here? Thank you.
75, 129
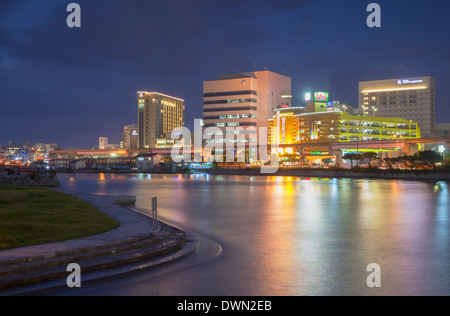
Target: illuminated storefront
285, 119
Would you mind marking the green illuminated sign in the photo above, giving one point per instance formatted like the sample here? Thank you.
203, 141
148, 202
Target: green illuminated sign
318, 153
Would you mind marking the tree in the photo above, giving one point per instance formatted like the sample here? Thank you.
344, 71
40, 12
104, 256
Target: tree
410, 161
388, 162
370, 156
391, 162
350, 157
430, 157
327, 161
353, 157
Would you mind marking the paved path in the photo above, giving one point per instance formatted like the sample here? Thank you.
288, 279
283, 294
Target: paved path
105, 255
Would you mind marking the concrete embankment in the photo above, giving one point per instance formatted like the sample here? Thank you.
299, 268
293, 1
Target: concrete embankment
27, 181
324, 173
134, 246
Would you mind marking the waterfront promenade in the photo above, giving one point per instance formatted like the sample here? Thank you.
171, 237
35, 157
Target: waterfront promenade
131, 247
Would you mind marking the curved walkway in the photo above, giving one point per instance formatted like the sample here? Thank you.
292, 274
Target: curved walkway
132, 246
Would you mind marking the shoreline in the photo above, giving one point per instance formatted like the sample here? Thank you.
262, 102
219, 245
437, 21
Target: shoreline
130, 247
418, 175
381, 174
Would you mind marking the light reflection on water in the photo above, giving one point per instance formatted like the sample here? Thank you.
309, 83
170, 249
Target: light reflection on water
296, 236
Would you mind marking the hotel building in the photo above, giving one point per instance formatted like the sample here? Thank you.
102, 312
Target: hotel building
158, 114
130, 137
442, 130
410, 99
243, 100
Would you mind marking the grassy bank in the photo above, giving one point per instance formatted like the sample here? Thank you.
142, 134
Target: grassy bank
32, 216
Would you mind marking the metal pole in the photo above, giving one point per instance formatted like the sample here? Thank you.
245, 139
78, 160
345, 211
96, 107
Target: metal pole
301, 152
155, 212
397, 148
357, 150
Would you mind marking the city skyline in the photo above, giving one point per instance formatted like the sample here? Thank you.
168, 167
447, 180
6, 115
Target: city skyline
224, 153
73, 77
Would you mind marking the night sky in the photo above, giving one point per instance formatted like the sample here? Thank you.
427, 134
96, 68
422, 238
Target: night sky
73, 85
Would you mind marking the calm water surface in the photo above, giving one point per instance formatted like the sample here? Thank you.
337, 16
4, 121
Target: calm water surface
292, 236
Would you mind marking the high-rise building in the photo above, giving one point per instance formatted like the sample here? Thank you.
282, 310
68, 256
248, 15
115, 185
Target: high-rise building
244, 100
130, 137
103, 143
158, 114
442, 130
411, 99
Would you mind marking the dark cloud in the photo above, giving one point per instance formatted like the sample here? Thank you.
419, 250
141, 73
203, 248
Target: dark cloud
73, 85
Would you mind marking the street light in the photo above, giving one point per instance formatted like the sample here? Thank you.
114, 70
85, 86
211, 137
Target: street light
397, 136
374, 109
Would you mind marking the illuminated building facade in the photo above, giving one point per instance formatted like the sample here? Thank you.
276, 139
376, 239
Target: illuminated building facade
158, 114
411, 99
243, 100
103, 142
339, 127
170, 142
285, 119
130, 137
318, 102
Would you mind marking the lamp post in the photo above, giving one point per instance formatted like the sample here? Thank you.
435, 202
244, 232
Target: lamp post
301, 152
374, 109
397, 136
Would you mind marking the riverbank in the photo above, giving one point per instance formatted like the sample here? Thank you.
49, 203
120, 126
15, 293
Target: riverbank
136, 244
342, 173
32, 216
25, 180
363, 173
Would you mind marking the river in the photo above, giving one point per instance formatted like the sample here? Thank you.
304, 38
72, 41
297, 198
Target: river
290, 236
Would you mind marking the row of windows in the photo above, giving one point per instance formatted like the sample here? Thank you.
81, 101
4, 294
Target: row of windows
237, 132
228, 117
242, 108
231, 124
231, 101
228, 93
224, 140
376, 132
422, 91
